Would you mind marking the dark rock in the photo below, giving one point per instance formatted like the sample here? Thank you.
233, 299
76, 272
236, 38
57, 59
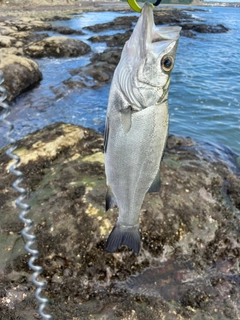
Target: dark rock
58, 18
210, 29
96, 73
204, 28
111, 56
57, 47
116, 40
93, 75
187, 33
125, 22
66, 30
171, 16
176, 141
79, 81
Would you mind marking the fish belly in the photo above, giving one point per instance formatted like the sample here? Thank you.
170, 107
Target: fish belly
132, 160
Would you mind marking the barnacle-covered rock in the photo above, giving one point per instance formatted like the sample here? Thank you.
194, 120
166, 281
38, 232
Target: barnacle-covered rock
188, 267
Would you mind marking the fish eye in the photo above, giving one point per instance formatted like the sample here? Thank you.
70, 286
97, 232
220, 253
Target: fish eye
167, 63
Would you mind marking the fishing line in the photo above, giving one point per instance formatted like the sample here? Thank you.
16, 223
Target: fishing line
133, 4
157, 3
29, 237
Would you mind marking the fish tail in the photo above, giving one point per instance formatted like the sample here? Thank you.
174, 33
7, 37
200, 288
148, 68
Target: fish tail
122, 235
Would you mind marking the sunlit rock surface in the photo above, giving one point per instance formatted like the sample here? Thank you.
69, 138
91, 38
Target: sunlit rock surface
188, 267
19, 73
57, 46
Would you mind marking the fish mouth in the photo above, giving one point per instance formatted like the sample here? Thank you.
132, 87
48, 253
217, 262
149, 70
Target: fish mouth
151, 32
166, 33
149, 35
142, 33
147, 11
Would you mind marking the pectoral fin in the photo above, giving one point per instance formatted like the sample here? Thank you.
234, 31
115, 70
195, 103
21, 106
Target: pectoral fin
110, 199
126, 119
156, 184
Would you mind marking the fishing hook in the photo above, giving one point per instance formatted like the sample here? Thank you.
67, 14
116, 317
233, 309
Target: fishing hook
29, 237
133, 4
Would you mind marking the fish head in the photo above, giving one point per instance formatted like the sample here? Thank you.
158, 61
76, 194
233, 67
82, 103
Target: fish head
143, 74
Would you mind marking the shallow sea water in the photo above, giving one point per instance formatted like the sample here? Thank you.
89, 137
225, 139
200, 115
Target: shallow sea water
204, 97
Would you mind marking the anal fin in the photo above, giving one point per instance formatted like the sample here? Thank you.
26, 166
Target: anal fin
111, 202
156, 184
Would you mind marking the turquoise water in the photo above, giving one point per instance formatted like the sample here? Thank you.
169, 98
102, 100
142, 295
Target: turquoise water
204, 99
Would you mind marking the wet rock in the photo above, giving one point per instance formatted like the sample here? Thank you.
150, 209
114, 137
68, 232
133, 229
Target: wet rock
116, 40
60, 17
188, 267
19, 73
96, 73
187, 33
171, 16
183, 19
110, 56
204, 28
93, 75
66, 30
57, 47
125, 22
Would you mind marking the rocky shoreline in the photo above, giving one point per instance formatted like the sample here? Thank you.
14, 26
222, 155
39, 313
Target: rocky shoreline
188, 267
20, 41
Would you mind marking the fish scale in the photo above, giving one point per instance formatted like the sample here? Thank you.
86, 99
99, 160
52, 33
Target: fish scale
137, 124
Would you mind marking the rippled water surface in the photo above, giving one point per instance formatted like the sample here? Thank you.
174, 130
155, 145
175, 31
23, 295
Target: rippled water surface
204, 97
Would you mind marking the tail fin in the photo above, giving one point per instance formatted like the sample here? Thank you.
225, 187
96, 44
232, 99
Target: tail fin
122, 235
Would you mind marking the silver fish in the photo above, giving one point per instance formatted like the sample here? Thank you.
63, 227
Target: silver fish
137, 124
